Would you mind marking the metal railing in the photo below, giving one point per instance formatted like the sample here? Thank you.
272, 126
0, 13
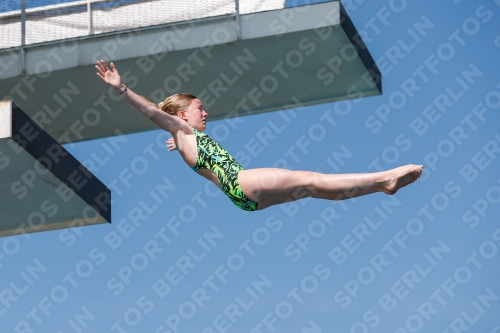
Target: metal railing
16, 20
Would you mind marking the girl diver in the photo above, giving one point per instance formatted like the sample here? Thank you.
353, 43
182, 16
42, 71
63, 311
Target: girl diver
184, 117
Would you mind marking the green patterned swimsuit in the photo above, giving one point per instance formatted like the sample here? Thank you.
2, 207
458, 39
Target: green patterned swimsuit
212, 156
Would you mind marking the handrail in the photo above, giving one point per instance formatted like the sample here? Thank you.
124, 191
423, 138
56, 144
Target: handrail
15, 13
24, 12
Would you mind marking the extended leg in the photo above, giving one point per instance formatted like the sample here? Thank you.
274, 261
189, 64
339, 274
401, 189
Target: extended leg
258, 184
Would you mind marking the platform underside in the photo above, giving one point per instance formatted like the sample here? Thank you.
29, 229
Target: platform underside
43, 187
316, 57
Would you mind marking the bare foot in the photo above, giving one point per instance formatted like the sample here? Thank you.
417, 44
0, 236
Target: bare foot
400, 177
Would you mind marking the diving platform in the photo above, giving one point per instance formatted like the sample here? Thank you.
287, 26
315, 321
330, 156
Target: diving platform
239, 59
42, 186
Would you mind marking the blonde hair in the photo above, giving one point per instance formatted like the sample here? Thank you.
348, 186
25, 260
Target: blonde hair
174, 103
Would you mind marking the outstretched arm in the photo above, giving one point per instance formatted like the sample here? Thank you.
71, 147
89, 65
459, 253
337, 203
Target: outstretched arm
111, 77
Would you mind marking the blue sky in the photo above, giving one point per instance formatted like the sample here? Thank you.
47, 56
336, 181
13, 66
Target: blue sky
424, 260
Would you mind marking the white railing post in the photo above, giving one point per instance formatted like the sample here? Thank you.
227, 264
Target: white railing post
238, 19
23, 36
90, 21
23, 22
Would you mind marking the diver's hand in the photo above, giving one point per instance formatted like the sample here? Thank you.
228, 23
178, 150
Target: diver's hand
171, 144
108, 75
